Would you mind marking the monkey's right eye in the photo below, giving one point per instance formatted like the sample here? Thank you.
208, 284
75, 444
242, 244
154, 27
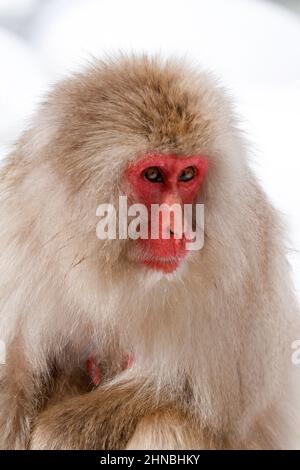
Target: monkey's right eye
153, 174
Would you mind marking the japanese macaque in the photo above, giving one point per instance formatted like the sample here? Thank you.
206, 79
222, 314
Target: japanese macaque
142, 344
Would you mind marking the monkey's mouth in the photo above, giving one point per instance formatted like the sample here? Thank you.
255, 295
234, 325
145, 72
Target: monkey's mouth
166, 266
162, 255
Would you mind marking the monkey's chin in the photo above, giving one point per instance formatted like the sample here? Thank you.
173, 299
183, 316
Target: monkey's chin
166, 267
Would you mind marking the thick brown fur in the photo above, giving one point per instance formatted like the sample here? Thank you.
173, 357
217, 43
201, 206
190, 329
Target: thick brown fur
212, 342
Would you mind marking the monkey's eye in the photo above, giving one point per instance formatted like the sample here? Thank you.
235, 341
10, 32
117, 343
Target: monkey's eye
153, 174
187, 174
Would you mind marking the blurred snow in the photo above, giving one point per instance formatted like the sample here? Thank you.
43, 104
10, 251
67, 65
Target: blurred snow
16, 7
21, 81
252, 44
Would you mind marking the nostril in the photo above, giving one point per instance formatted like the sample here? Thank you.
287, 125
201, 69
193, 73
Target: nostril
172, 234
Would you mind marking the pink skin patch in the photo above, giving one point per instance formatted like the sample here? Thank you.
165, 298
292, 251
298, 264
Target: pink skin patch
165, 254
94, 371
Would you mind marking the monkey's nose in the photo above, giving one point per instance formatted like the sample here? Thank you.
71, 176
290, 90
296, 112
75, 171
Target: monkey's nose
176, 233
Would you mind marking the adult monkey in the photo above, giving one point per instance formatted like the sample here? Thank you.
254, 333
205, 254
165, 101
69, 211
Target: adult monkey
210, 331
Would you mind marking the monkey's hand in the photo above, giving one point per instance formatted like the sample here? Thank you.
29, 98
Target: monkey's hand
105, 418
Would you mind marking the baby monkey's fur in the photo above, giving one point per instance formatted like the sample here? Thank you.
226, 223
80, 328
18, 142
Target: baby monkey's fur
211, 343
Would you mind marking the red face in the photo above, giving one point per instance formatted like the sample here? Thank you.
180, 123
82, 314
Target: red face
165, 179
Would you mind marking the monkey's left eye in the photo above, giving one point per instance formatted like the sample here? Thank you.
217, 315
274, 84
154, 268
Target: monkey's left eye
187, 174
153, 174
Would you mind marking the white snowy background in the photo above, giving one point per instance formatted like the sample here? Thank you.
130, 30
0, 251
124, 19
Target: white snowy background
253, 45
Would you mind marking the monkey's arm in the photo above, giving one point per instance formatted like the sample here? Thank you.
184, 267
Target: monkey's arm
112, 417
17, 399
168, 429
16, 413
25, 393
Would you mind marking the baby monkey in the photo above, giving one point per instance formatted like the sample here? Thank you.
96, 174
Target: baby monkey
142, 343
